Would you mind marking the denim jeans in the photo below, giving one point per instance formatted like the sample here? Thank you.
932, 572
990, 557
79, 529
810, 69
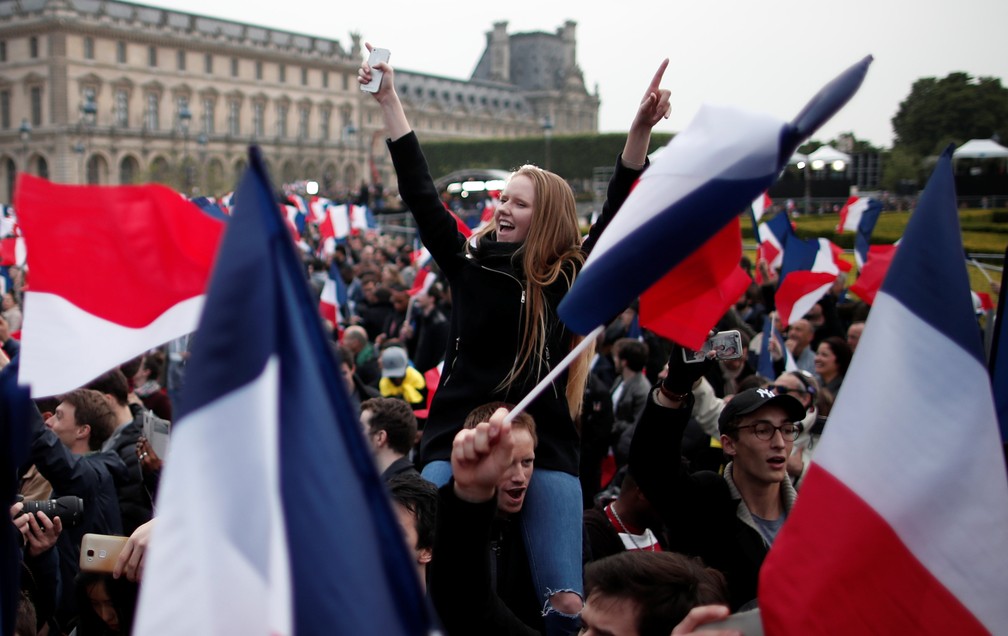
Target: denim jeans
551, 521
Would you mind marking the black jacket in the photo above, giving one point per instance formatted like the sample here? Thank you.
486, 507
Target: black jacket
700, 512
488, 291
93, 478
479, 579
136, 504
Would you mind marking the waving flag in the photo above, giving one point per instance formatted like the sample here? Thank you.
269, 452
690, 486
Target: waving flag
915, 546
765, 364
809, 269
333, 297
302, 538
760, 205
873, 272
706, 176
856, 209
115, 271
773, 236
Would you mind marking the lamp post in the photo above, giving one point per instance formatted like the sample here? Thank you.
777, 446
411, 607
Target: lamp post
80, 149
202, 140
547, 126
89, 114
184, 118
24, 131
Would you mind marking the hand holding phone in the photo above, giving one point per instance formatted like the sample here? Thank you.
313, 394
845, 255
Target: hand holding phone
377, 57
724, 345
99, 552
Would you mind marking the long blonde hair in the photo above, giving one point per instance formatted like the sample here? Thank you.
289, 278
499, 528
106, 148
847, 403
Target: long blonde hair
551, 250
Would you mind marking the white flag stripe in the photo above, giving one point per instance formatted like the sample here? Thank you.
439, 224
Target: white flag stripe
53, 326
895, 456
220, 502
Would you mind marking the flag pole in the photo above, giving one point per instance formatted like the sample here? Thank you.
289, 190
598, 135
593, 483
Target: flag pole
552, 375
983, 271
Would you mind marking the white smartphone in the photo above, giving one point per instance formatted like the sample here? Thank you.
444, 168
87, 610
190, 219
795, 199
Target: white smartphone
377, 57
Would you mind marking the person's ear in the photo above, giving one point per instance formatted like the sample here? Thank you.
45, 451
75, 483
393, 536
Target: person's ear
424, 555
728, 445
381, 438
83, 431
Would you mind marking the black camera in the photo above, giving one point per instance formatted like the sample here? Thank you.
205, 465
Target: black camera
68, 508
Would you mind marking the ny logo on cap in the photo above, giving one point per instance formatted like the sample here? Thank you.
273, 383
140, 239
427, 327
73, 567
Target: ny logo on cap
767, 393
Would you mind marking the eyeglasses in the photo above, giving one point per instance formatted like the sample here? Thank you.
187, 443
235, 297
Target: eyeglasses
784, 390
765, 431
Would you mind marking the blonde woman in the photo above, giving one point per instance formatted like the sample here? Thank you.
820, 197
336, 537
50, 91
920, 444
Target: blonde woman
506, 282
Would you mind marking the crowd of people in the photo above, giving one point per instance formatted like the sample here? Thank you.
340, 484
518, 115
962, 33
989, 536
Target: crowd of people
637, 494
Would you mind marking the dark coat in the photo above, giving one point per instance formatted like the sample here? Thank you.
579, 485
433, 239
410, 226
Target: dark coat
479, 579
699, 510
488, 291
93, 478
136, 504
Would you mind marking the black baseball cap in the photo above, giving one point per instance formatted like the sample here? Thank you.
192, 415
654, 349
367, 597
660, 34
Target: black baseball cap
753, 399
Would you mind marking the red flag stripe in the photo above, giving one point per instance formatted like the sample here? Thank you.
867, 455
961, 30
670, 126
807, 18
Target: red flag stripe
856, 573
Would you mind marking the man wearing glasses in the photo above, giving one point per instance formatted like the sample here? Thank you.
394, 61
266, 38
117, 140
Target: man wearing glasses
803, 386
727, 520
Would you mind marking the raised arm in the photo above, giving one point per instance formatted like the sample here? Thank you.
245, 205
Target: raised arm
438, 229
392, 111
653, 108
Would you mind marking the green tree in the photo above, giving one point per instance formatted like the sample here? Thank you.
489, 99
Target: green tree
953, 109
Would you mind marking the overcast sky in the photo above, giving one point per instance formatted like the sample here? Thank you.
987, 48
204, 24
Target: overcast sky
764, 55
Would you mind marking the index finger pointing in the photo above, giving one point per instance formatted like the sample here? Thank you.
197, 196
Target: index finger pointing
656, 80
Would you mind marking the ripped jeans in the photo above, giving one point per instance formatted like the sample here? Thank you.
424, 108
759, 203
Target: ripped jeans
551, 525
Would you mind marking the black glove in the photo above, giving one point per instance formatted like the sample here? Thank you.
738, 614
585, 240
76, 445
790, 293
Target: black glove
681, 375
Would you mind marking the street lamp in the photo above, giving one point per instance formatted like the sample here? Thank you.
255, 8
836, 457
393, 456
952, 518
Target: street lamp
184, 118
547, 126
202, 140
25, 133
89, 114
80, 148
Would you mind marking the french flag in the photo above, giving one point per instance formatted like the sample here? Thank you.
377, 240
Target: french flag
706, 176
860, 215
918, 545
810, 267
115, 271
760, 205
773, 236
765, 363
299, 536
873, 272
856, 209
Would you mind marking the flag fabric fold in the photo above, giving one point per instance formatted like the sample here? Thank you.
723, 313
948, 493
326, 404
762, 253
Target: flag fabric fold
706, 176
115, 271
914, 546
299, 536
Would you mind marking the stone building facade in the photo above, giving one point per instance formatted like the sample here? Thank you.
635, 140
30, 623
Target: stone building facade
110, 92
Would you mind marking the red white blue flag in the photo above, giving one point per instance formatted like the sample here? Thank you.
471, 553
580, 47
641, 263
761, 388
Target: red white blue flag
302, 538
914, 545
706, 176
810, 267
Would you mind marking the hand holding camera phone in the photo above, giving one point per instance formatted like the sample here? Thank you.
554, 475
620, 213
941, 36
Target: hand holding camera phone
724, 345
377, 57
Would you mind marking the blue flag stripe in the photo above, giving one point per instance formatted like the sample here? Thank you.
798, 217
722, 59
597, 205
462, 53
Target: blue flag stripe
655, 247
